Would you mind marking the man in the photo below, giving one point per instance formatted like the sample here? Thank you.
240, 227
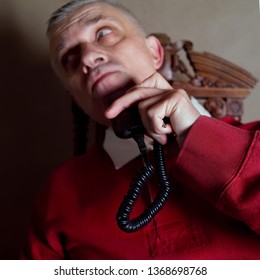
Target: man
105, 61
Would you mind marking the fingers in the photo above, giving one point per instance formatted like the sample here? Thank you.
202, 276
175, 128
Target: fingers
133, 96
153, 85
161, 135
153, 112
156, 100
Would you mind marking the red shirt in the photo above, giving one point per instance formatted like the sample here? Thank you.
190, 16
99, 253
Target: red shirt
213, 211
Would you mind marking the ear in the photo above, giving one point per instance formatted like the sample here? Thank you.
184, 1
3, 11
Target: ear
156, 50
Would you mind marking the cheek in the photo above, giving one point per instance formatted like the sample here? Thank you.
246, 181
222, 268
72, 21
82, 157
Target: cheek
137, 61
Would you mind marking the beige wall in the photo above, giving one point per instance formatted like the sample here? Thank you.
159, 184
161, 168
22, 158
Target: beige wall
35, 113
230, 29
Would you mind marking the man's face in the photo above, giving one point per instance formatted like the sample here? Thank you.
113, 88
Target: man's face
96, 52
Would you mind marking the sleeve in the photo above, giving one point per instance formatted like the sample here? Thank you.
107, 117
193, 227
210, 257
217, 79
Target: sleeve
222, 162
44, 238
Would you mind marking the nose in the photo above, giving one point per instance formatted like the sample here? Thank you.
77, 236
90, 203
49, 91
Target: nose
92, 57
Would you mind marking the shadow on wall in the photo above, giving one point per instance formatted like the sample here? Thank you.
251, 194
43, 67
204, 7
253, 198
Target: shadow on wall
36, 133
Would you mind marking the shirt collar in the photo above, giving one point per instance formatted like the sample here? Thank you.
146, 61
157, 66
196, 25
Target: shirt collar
122, 151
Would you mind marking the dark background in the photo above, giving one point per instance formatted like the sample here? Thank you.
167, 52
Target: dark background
36, 133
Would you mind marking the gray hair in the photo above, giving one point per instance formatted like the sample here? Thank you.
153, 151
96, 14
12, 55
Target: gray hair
63, 12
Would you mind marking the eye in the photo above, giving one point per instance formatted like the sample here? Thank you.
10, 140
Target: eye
71, 59
103, 32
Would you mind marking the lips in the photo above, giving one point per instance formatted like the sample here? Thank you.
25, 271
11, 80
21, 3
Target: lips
101, 72
100, 77
107, 80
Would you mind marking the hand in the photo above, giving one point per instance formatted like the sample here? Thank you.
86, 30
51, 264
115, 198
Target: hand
156, 100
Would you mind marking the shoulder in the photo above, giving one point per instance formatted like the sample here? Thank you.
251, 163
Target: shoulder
71, 181
89, 163
78, 171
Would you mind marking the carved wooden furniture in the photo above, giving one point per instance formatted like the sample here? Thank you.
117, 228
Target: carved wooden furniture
218, 84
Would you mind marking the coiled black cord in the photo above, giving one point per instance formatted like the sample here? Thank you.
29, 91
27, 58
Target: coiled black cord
138, 182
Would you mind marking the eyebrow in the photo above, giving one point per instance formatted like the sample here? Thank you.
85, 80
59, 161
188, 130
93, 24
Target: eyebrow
89, 22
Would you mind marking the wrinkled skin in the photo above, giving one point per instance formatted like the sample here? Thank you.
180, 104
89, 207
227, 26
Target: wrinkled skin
97, 51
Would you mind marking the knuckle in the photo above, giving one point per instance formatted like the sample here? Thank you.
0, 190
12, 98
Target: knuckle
150, 114
141, 106
182, 91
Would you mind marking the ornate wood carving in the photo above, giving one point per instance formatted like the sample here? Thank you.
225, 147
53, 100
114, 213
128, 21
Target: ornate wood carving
216, 106
219, 84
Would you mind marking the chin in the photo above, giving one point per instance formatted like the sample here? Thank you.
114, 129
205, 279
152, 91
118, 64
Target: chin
112, 85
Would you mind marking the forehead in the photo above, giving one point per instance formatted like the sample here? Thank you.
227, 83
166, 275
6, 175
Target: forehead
87, 15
